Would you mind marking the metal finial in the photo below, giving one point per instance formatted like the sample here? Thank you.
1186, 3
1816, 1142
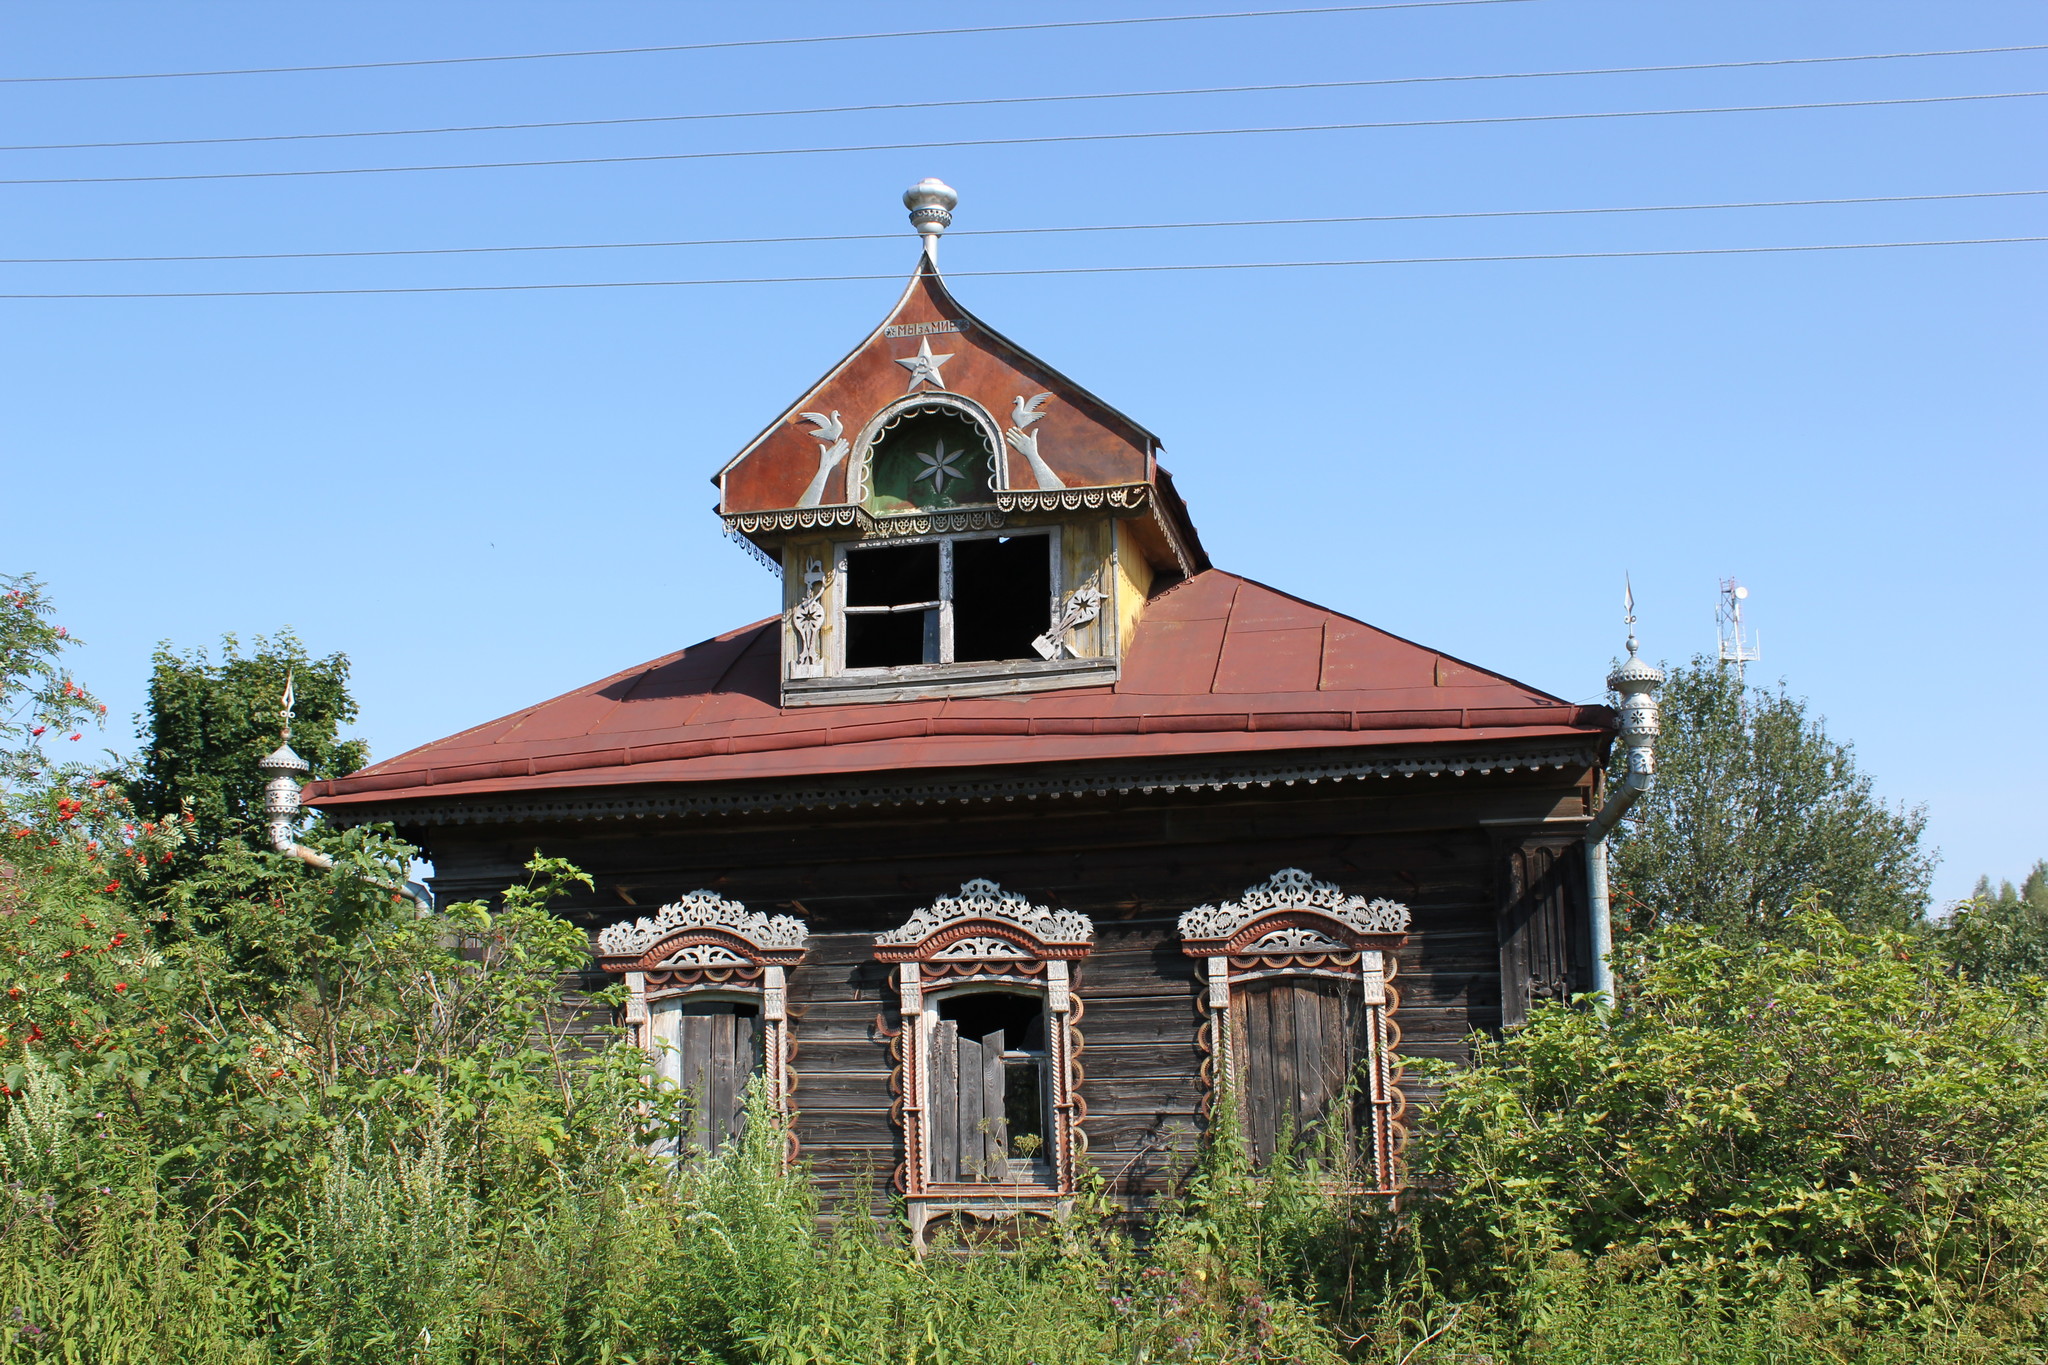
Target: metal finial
931, 202
286, 705
1628, 612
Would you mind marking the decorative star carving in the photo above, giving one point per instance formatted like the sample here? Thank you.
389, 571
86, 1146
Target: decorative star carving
924, 366
940, 465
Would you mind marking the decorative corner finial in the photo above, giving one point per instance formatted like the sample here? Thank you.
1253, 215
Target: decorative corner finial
931, 202
285, 706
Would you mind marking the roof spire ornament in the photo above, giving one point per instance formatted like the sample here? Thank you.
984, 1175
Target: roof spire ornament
931, 203
283, 772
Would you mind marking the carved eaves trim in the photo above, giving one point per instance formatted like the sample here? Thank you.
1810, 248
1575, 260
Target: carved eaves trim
1027, 784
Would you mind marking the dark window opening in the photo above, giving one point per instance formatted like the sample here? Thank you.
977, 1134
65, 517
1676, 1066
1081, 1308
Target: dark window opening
892, 595
1002, 596
892, 575
989, 1107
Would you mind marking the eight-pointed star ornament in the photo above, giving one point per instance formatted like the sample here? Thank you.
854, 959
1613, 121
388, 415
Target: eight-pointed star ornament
924, 366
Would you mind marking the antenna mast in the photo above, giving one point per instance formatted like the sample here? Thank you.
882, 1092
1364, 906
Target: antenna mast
1737, 646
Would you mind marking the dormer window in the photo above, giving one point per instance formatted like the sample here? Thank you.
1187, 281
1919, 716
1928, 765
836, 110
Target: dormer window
964, 599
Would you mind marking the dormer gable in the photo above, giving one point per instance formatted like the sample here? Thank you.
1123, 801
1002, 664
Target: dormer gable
951, 515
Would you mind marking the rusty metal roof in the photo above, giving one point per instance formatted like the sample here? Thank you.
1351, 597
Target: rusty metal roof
1218, 664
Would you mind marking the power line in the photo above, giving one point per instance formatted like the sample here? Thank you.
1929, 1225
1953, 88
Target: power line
1022, 99
1028, 231
1056, 270
1023, 141
756, 42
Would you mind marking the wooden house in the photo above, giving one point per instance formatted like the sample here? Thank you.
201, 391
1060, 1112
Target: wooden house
1021, 825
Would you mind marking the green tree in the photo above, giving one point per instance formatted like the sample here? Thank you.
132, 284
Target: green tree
1756, 809
209, 724
2002, 935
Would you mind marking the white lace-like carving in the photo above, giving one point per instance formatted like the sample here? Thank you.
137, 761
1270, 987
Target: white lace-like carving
983, 899
702, 910
1296, 941
1292, 889
983, 947
704, 955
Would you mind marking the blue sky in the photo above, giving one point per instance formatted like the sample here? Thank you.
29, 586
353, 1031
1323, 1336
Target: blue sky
486, 499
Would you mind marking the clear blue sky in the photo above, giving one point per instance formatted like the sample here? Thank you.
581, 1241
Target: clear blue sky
486, 499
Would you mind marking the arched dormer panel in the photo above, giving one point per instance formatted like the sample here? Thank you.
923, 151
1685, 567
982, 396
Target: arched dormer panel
987, 1078
707, 998
1300, 1007
926, 452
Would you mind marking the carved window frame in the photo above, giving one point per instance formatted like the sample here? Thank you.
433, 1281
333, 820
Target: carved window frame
1292, 925
986, 937
708, 948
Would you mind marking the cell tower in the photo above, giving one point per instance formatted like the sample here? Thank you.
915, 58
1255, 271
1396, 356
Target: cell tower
1738, 647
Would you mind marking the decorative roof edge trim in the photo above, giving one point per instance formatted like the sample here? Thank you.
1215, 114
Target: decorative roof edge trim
669, 802
1133, 498
1291, 889
983, 902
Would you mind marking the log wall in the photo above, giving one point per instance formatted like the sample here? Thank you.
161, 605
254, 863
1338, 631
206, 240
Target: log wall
1446, 846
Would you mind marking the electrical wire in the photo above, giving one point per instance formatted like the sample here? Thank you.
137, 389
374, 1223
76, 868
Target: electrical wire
1028, 231
1024, 141
1023, 99
1048, 271
757, 42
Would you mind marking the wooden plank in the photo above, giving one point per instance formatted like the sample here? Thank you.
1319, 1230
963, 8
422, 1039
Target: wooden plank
694, 1032
723, 1088
1314, 1069
942, 1107
995, 1144
968, 1133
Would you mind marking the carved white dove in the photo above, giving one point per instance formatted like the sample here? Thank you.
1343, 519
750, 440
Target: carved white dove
1023, 412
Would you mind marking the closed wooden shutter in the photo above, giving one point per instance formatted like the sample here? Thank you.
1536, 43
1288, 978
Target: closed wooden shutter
1301, 1039
968, 1138
1544, 941
716, 1051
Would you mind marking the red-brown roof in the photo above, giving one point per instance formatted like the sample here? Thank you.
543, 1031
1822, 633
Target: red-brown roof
1218, 664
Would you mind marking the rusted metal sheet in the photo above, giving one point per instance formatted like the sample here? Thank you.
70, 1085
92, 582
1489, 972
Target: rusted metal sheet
1197, 679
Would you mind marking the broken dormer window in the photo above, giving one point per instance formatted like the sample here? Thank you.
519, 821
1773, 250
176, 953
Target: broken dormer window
966, 599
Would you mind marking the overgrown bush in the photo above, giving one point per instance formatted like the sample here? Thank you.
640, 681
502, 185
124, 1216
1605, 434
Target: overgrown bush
1833, 1113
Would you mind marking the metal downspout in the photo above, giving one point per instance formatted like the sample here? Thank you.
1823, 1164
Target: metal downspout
283, 771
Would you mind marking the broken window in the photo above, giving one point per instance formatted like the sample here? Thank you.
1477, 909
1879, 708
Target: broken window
973, 599
989, 1109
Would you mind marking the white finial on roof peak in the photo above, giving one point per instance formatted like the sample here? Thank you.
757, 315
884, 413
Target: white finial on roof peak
931, 202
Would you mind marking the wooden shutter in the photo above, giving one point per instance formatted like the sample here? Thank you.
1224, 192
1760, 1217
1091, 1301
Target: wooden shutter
1299, 1038
1545, 944
718, 1050
964, 1110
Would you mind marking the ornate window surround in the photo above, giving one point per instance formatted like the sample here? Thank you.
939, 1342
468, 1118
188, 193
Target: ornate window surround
706, 947
1293, 925
986, 938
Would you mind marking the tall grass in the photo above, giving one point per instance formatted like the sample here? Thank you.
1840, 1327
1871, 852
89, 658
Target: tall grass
397, 1256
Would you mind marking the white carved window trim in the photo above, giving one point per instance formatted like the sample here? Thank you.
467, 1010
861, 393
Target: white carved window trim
1018, 947
1292, 925
835, 594
703, 946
